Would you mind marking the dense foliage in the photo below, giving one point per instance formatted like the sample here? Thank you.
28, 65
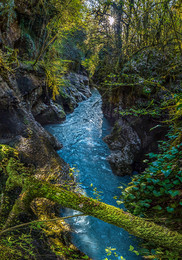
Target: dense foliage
162, 180
136, 26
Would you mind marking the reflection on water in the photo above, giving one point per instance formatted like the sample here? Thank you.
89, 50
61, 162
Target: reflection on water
81, 135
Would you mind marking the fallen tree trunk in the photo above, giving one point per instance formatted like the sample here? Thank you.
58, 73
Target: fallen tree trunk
33, 188
159, 235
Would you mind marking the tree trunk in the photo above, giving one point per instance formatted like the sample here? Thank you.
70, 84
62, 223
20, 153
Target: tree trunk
33, 188
118, 9
159, 235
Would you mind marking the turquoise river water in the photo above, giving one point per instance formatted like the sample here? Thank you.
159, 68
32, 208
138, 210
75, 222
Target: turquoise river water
83, 148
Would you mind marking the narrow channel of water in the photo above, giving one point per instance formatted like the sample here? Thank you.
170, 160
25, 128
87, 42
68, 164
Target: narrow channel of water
81, 135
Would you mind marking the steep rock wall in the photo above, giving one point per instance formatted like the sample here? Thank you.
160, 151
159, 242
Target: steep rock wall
25, 104
25, 101
131, 137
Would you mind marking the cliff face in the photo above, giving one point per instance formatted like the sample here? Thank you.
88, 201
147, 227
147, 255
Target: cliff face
132, 137
25, 101
129, 141
19, 128
38, 99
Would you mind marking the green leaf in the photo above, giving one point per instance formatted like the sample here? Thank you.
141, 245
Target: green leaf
170, 210
131, 196
174, 193
150, 187
131, 248
156, 193
167, 173
152, 155
136, 252
155, 181
119, 202
176, 182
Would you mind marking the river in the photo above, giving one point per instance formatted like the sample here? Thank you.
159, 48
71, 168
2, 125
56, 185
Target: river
83, 148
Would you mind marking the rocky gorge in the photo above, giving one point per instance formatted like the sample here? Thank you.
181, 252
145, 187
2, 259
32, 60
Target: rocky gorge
52, 53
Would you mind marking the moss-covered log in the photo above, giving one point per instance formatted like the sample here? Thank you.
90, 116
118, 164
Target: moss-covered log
33, 188
139, 227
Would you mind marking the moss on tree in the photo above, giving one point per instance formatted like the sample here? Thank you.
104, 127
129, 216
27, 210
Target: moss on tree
33, 188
